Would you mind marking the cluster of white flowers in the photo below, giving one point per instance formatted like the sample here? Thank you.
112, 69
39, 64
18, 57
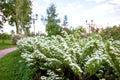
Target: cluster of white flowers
80, 54
52, 76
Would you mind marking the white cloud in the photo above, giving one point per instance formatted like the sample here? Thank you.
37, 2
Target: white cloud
104, 9
70, 8
100, 10
116, 5
114, 2
47, 1
103, 14
37, 7
100, 14
97, 1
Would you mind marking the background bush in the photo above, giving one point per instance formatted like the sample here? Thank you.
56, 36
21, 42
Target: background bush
111, 32
5, 36
16, 37
53, 29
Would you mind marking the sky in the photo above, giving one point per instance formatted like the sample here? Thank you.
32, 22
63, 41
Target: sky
102, 12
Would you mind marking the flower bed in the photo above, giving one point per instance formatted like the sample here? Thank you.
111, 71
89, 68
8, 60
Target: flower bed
71, 57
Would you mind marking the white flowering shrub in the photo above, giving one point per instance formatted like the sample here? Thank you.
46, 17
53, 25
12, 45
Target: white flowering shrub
16, 37
71, 57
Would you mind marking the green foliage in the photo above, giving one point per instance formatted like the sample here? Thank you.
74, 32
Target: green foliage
6, 44
67, 30
72, 57
27, 31
51, 21
23, 11
53, 29
1, 24
111, 32
12, 69
31, 34
5, 36
79, 31
65, 22
16, 12
52, 15
12, 32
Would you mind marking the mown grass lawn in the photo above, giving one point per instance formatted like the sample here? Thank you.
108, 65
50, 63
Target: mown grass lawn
12, 69
6, 44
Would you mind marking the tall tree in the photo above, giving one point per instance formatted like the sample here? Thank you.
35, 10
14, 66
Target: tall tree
22, 13
52, 15
65, 21
16, 12
51, 21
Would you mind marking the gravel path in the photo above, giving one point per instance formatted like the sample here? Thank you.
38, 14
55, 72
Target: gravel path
6, 51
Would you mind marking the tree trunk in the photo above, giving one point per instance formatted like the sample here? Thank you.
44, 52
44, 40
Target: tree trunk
17, 27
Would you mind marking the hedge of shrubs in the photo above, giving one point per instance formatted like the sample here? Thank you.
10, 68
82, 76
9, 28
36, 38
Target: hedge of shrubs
5, 36
71, 57
111, 32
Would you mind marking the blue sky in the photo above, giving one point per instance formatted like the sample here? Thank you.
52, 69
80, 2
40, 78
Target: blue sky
102, 12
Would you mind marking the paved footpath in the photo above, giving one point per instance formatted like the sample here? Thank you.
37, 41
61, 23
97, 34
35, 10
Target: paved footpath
6, 51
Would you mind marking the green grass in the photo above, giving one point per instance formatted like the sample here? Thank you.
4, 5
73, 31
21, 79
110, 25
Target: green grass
6, 44
12, 69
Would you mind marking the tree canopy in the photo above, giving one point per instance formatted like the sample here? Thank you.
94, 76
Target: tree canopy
51, 21
16, 12
52, 15
65, 22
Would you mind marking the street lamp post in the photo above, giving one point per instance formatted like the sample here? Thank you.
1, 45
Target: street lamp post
33, 20
89, 24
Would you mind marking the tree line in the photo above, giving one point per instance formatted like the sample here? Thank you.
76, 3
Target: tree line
18, 13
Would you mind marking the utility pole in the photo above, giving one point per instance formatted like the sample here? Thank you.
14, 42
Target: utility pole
34, 18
